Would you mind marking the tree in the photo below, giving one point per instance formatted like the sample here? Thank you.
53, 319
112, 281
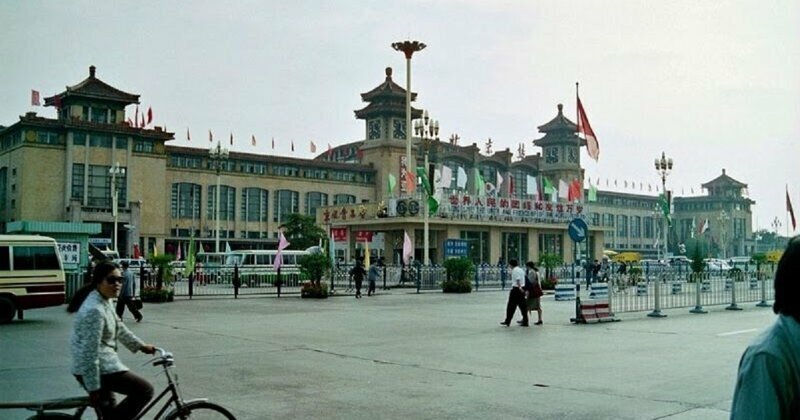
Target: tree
302, 231
549, 260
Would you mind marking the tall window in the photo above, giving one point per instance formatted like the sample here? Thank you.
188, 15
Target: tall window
315, 200
286, 203
552, 243
648, 228
478, 243
514, 245
99, 188
227, 202
99, 115
622, 225
185, 201
343, 199
3, 187
636, 226
254, 204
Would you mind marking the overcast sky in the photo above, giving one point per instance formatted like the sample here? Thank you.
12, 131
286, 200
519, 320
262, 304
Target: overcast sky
714, 84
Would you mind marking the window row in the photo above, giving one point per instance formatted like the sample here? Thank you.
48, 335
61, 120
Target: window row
253, 202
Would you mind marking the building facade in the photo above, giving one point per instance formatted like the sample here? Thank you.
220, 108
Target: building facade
503, 206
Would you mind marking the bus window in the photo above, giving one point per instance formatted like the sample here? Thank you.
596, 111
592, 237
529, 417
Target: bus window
5, 263
35, 258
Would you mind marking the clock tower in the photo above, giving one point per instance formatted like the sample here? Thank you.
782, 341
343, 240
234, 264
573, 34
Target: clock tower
561, 147
385, 131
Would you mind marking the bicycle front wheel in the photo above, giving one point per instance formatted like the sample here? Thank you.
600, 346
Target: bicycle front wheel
202, 410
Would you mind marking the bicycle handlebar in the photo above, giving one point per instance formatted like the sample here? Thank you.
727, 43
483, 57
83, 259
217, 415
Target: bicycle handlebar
163, 358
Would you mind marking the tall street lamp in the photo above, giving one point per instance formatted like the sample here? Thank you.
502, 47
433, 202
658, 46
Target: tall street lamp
427, 130
218, 156
663, 167
115, 171
408, 48
723, 225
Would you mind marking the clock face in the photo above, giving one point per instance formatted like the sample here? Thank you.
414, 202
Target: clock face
399, 131
551, 155
573, 155
374, 129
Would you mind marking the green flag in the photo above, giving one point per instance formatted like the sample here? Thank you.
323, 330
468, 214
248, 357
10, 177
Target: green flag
190, 257
392, 183
592, 193
426, 183
664, 203
480, 186
433, 205
548, 186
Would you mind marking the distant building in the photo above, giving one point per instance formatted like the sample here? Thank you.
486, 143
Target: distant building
58, 170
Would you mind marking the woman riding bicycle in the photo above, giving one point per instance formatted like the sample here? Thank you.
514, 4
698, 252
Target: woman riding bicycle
93, 344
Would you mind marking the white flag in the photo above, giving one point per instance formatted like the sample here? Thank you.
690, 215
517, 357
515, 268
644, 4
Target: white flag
447, 176
408, 248
437, 179
461, 179
563, 189
499, 181
531, 187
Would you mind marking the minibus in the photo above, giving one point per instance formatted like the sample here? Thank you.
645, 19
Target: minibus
31, 275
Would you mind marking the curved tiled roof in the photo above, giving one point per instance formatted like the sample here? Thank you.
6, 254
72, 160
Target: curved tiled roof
560, 122
725, 181
387, 89
93, 88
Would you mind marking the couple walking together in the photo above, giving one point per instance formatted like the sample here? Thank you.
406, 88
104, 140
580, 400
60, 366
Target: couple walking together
525, 293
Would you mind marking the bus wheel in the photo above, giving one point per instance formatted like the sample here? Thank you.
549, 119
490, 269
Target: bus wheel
7, 310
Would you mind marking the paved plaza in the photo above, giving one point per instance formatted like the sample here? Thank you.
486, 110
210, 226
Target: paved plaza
401, 355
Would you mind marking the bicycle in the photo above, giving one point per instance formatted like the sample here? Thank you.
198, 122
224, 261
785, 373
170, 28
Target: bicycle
192, 409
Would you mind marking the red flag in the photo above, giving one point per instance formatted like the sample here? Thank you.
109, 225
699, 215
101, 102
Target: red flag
790, 210
57, 102
313, 147
293, 145
330, 151
511, 184
253, 139
141, 124
586, 129
231, 139
273, 143
188, 137
149, 115
35, 98
136, 117
210, 137
360, 154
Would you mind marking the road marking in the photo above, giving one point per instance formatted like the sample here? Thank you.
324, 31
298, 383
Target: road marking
736, 332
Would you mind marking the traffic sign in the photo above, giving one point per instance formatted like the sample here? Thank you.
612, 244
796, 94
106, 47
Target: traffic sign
578, 230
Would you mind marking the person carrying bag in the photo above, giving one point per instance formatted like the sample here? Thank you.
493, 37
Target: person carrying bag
534, 289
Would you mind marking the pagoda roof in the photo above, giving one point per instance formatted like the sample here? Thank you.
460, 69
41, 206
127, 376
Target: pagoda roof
387, 89
391, 108
725, 181
560, 122
120, 128
93, 88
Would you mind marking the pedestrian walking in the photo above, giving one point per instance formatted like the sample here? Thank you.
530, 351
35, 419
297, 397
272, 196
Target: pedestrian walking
516, 296
768, 382
534, 291
127, 294
357, 274
372, 276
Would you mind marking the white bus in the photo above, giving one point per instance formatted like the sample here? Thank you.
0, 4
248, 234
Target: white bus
31, 274
249, 261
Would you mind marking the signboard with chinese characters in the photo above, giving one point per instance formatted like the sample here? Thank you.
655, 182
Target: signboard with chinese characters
70, 254
456, 248
403, 175
339, 234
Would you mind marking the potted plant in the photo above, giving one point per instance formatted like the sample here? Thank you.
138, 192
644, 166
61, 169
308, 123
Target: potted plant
162, 291
459, 273
550, 260
313, 267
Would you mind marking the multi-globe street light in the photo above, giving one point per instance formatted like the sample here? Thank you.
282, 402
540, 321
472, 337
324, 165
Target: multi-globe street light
427, 130
218, 156
408, 48
115, 171
663, 167
723, 225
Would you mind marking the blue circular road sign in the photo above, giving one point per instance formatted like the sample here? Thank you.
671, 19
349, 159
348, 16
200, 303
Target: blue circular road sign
578, 230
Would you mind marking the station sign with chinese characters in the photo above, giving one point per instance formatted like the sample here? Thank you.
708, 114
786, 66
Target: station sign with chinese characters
70, 254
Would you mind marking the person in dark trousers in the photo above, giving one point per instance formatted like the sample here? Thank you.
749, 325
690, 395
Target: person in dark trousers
516, 296
595, 271
357, 274
768, 382
127, 293
372, 276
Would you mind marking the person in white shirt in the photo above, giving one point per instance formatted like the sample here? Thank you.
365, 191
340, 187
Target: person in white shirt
516, 296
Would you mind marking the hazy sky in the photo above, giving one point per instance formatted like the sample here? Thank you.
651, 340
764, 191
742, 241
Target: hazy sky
714, 84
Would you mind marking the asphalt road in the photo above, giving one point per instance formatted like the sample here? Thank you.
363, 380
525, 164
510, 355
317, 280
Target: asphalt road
400, 355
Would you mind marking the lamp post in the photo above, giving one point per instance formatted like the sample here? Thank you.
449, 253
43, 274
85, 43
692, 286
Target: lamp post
776, 224
663, 167
114, 171
427, 130
408, 48
218, 156
723, 224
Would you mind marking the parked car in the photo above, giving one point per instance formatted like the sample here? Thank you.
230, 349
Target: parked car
741, 260
715, 264
135, 265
